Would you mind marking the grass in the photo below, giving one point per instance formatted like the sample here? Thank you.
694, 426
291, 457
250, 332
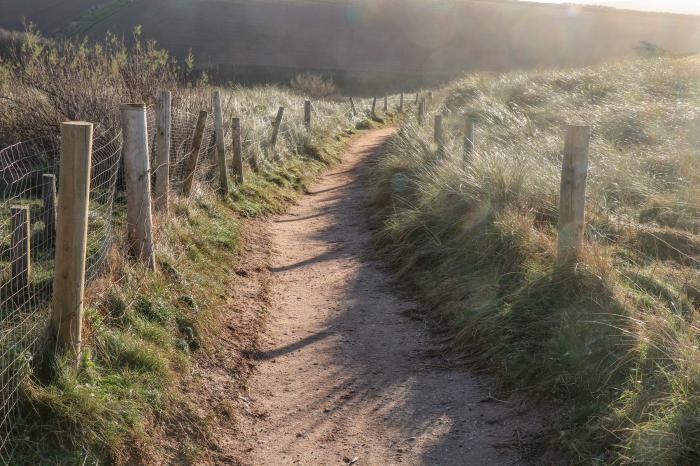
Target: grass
614, 342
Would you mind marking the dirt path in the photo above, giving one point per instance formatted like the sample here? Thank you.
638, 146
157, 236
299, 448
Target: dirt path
342, 375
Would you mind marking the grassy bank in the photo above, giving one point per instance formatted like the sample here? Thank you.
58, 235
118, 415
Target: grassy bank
616, 340
142, 329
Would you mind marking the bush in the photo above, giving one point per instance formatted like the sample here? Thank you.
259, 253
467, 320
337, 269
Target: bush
313, 85
53, 82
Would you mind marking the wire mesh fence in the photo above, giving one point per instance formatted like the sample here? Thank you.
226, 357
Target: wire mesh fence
182, 133
28, 174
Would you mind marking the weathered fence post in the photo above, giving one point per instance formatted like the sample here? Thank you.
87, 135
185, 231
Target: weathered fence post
437, 131
417, 98
20, 252
276, 126
48, 197
401, 102
421, 111
162, 169
190, 164
307, 114
352, 107
430, 97
71, 234
469, 136
220, 143
386, 104
572, 194
374, 105
138, 183
237, 150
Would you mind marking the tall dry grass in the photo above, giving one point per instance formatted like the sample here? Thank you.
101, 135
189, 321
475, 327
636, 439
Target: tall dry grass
616, 340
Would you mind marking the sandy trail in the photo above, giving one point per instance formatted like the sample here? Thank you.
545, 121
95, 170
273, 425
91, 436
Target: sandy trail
342, 375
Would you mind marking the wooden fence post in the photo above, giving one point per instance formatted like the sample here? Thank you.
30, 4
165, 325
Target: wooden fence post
48, 196
469, 136
307, 114
71, 234
237, 150
421, 111
572, 194
430, 97
437, 131
190, 164
220, 143
20, 252
401, 102
386, 104
162, 169
138, 183
276, 126
417, 99
352, 107
374, 106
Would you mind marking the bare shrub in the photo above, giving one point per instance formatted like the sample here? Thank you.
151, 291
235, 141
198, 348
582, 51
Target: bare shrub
10, 41
52, 82
314, 85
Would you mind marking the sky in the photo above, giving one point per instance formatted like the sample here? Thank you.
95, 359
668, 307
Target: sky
673, 6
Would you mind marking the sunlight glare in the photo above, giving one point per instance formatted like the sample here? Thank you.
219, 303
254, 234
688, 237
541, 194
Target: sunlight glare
670, 6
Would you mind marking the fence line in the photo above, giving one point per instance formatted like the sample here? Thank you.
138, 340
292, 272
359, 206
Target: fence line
574, 201
31, 222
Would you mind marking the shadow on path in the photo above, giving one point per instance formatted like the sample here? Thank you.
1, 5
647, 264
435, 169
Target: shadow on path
352, 375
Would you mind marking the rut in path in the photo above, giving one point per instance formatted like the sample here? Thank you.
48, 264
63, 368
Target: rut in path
342, 374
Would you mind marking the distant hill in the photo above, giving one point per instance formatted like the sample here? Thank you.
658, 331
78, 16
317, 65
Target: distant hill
374, 38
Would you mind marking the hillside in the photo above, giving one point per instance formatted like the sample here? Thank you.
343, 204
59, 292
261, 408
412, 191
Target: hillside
371, 40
